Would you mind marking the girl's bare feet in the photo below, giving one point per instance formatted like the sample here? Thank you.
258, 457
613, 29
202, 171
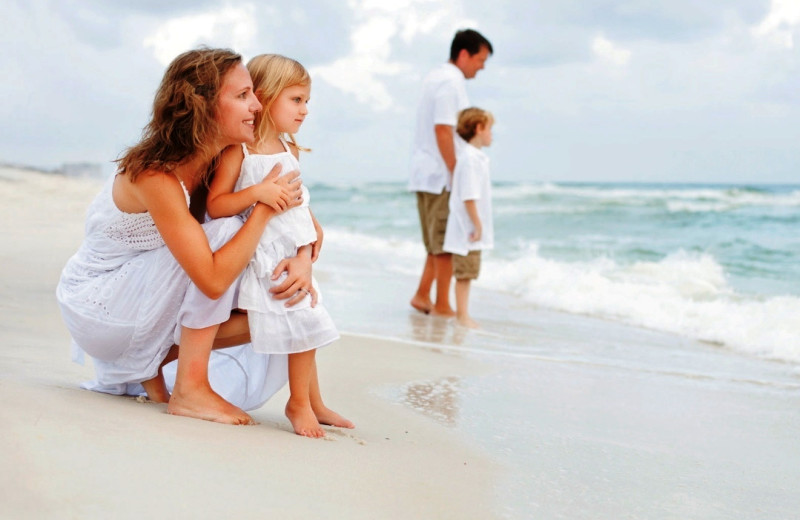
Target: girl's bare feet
303, 420
204, 403
330, 418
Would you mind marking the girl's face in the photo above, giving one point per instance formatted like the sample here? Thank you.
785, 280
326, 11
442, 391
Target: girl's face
290, 108
483, 134
236, 107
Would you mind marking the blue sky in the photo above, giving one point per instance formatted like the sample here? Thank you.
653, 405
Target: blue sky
634, 90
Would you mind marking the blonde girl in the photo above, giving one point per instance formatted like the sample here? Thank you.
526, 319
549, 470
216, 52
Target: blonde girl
283, 87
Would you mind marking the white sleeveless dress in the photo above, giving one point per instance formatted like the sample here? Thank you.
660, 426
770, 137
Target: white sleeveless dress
124, 297
275, 328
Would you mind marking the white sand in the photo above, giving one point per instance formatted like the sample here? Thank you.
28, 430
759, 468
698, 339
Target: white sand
71, 453
675, 430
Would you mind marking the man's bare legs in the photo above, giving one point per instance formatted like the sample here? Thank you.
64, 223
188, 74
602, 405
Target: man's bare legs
192, 395
462, 304
439, 269
422, 298
443, 267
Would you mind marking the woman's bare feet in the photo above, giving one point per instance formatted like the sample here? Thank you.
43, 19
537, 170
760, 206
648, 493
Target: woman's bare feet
204, 403
303, 420
330, 418
423, 305
156, 388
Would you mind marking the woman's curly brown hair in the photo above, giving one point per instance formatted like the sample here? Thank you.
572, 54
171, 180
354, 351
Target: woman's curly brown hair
183, 121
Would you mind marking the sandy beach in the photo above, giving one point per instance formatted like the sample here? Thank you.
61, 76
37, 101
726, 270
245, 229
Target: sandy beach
443, 431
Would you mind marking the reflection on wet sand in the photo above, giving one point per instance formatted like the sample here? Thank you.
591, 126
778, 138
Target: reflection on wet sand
432, 329
436, 399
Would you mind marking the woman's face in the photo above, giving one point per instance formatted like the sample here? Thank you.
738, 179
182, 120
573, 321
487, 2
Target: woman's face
236, 107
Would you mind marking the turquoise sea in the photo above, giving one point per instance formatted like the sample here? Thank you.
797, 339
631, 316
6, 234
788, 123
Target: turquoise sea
716, 263
642, 341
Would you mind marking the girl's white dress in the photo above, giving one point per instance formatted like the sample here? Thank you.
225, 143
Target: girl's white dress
275, 328
124, 297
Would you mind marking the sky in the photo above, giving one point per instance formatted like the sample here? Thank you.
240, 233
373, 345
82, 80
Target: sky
581, 90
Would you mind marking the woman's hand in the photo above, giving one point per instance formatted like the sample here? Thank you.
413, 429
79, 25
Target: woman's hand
298, 278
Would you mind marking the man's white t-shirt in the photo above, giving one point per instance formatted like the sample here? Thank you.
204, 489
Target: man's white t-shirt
444, 95
470, 182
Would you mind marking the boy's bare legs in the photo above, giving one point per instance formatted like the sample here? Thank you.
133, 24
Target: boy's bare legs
192, 395
422, 298
324, 414
462, 304
443, 268
298, 408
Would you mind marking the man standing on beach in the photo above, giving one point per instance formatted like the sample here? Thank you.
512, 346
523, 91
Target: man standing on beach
444, 95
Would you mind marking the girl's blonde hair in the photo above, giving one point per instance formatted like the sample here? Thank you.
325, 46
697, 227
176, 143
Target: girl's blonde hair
271, 73
183, 121
469, 119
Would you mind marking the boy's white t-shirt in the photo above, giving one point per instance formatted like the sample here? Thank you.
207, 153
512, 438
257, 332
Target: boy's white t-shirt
470, 182
444, 94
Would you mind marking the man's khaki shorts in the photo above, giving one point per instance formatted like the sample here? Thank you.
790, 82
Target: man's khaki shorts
467, 267
433, 212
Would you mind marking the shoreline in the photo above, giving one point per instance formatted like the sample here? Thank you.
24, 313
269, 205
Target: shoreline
593, 419
72, 453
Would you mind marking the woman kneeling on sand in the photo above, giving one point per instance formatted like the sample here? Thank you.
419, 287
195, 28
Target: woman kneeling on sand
150, 284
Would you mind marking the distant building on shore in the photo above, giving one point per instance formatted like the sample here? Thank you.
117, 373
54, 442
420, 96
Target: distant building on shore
83, 169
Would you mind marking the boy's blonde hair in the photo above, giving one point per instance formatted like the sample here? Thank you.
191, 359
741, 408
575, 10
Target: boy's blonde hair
271, 73
469, 119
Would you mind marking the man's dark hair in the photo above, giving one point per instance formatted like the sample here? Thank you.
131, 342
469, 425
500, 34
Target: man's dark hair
470, 40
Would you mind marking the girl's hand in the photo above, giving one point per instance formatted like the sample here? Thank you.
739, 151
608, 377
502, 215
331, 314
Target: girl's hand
316, 247
291, 183
276, 194
298, 279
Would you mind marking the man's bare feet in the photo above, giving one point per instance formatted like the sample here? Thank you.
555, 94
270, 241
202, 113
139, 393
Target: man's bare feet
303, 420
422, 304
156, 388
330, 418
204, 403
466, 321
443, 311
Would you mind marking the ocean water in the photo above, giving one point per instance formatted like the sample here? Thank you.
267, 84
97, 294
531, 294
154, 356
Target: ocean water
715, 263
688, 295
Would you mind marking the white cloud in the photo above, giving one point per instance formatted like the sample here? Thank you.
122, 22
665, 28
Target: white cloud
230, 26
364, 72
780, 23
608, 51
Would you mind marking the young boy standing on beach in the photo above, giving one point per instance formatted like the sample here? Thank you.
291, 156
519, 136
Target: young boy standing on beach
469, 227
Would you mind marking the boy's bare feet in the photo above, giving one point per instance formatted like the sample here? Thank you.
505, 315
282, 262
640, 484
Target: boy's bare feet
422, 304
330, 418
466, 321
303, 420
204, 403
